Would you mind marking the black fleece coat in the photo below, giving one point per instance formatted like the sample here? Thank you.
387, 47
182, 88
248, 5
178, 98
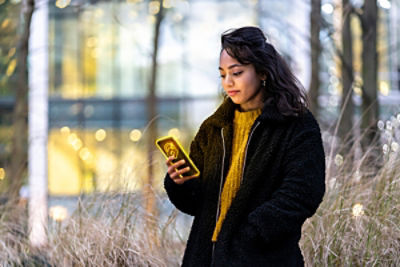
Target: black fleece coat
282, 185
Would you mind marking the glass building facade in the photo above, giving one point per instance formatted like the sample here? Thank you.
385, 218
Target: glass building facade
100, 68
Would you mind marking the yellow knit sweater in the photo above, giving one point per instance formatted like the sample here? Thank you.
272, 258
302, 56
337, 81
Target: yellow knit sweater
241, 127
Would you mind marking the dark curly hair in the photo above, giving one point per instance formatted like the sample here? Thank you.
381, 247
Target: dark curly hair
248, 45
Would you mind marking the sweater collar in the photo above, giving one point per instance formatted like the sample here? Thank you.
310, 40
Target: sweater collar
225, 113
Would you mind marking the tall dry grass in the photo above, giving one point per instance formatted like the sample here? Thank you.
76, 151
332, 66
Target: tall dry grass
114, 230
357, 224
105, 230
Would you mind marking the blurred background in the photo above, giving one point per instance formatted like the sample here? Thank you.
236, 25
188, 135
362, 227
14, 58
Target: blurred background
122, 73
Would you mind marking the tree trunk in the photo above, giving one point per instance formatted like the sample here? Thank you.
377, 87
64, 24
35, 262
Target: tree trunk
38, 125
19, 153
347, 106
315, 27
149, 194
370, 104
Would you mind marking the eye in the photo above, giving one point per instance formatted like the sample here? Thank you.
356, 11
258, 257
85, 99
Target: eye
237, 73
222, 76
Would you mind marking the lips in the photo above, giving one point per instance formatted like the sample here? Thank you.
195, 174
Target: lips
233, 92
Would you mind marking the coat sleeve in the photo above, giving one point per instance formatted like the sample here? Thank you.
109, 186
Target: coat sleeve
300, 193
187, 196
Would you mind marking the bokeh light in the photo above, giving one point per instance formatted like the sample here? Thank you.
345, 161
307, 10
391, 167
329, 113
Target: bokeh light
384, 88
389, 125
5, 23
58, 213
338, 160
358, 210
175, 133
381, 125
11, 67
74, 141
85, 154
154, 7
395, 146
327, 8
385, 149
62, 3
65, 130
100, 135
135, 135
177, 17
2, 173
385, 4
167, 3
357, 90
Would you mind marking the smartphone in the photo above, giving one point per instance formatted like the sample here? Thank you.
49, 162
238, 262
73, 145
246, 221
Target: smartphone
170, 146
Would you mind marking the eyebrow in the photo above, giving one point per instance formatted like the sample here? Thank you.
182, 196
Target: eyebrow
231, 66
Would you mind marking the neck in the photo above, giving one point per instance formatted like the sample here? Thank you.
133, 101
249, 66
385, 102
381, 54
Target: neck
250, 108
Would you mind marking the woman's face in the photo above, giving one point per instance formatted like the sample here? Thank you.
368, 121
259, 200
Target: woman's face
241, 82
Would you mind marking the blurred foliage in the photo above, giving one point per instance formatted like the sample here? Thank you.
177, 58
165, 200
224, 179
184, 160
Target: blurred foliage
9, 23
9, 32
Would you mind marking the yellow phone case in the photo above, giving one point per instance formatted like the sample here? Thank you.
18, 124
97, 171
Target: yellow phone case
170, 146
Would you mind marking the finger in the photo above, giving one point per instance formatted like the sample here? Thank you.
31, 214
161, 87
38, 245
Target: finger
181, 179
184, 179
174, 167
179, 163
169, 160
177, 173
183, 170
171, 171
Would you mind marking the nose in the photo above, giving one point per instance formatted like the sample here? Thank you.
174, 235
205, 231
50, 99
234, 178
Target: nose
228, 81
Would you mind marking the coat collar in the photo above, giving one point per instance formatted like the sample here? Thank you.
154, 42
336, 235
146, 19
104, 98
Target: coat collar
225, 112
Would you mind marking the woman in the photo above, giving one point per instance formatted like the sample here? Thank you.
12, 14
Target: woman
261, 160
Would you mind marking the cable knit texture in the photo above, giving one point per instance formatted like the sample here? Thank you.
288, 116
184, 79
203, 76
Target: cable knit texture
242, 123
283, 184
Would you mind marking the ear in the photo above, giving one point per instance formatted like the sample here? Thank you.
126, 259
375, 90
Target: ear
262, 77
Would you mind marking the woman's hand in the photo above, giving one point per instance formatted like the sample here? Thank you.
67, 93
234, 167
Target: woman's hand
174, 171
